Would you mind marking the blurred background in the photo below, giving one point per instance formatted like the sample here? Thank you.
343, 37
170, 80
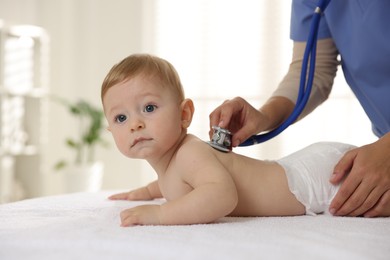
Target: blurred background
221, 49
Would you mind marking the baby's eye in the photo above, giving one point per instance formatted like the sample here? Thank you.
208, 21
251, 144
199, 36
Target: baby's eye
150, 108
120, 118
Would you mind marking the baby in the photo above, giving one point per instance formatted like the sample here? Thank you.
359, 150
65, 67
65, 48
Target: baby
148, 116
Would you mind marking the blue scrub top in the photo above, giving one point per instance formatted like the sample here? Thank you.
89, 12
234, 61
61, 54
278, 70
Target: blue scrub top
361, 31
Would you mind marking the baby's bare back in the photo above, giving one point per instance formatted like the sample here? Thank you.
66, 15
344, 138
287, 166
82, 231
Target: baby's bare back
261, 185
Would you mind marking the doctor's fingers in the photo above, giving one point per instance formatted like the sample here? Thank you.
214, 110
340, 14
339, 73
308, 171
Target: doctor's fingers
371, 200
347, 188
361, 195
349, 197
221, 115
382, 208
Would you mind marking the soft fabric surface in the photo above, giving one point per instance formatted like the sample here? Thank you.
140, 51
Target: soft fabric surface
87, 226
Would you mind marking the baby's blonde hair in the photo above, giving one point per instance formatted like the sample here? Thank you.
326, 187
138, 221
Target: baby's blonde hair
146, 65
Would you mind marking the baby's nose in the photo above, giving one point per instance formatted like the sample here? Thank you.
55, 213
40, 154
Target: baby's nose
137, 125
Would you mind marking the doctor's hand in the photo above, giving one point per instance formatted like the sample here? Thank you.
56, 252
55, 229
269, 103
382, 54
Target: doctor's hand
366, 189
240, 118
243, 120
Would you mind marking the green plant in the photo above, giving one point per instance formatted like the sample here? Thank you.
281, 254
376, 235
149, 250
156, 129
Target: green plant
90, 130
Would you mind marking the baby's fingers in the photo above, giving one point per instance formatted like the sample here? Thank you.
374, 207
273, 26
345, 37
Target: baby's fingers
120, 196
130, 218
141, 215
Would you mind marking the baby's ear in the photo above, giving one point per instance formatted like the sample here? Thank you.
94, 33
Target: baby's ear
187, 111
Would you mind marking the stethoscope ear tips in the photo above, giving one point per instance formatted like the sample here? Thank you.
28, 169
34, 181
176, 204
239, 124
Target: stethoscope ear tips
221, 139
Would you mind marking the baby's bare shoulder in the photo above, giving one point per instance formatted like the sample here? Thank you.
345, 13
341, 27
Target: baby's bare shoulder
194, 152
193, 144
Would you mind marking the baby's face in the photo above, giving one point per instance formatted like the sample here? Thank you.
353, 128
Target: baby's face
143, 117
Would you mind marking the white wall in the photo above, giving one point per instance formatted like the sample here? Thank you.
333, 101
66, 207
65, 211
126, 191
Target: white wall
87, 38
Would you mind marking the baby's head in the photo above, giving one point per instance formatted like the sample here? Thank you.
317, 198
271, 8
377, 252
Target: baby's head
145, 107
145, 65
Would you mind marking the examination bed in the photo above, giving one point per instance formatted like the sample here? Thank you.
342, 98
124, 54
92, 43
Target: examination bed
87, 226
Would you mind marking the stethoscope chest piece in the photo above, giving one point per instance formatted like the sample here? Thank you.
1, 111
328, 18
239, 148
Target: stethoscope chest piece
221, 139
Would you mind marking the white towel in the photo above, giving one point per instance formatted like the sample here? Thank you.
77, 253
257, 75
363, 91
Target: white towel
87, 226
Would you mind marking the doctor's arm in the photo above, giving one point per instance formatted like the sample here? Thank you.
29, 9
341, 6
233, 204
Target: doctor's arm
243, 120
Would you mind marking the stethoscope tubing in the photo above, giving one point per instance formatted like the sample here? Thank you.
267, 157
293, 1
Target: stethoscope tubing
304, 87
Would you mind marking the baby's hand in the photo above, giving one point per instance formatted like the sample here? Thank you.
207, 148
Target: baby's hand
141, 215
138, 194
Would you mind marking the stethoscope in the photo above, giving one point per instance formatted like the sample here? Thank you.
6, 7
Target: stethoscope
221, 139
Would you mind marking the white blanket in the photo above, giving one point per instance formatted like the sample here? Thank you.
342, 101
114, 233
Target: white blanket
87, 226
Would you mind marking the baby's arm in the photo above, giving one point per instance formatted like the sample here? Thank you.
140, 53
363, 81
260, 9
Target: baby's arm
212, 193
148, 192
206, 203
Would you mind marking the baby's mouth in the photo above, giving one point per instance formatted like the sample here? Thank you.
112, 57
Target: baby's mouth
138, 140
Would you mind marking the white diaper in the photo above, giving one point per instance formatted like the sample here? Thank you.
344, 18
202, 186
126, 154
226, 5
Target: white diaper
308, 172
